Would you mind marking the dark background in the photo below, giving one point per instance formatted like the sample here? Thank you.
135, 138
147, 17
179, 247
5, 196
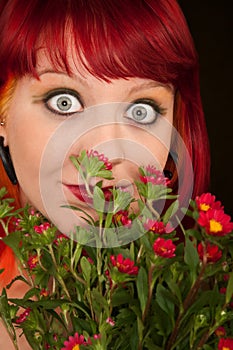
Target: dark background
211, 25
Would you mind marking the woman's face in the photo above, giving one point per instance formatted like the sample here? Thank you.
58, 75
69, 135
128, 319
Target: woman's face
139, 113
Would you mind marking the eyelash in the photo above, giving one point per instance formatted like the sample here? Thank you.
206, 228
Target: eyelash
158, 109
150, 102
57, 92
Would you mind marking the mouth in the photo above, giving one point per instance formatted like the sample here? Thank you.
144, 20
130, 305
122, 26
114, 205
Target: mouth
80, 192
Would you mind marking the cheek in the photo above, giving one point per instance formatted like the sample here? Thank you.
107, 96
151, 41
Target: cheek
26, 142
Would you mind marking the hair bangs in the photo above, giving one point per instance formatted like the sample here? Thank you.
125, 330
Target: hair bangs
110, 39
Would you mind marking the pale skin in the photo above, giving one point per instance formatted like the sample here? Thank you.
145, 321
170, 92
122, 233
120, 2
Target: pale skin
34, 114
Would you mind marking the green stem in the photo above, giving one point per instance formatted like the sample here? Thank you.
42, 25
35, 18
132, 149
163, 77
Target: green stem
149, 205
150, 292
99, 268
139, 253
77, 277
60, 279
40, 263
188, 301
5, 227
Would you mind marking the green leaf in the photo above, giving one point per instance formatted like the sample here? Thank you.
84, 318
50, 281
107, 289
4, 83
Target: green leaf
142, 288
13, 241
229, 291
191, 257
98, 199
121, 297
99, 302
5, 315
136, 333
171, 211
86, 269
165, 300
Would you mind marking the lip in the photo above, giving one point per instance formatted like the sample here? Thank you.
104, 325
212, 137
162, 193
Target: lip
80, 192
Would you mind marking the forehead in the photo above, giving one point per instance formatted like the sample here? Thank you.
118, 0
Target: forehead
78, 71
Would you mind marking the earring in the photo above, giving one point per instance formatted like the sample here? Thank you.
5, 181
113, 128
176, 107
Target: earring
2, 123
168, 174
7, 162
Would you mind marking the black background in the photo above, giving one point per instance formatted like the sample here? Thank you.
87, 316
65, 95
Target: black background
211, 25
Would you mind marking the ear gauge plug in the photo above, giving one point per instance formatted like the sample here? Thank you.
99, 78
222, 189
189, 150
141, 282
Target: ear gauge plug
168, 174
7, 162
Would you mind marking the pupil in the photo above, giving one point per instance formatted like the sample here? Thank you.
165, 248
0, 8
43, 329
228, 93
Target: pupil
64, 104
139, 113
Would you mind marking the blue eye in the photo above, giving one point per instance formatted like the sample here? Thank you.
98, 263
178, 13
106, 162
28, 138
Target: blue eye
142, 112
65, 103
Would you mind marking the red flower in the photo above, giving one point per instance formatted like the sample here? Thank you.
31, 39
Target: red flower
107, 274
164, 248
211, 252
157, 227
222, 290
154, 176
44, 292
216, 222
101, 157
122, 216
220, 331
74, 342
33, 261
225, 344
23, 316
124, 265
207, 201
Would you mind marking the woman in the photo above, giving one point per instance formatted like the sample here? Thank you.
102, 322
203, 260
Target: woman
59, 60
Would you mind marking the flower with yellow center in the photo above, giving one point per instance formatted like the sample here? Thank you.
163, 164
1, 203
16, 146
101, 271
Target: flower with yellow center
76, 347
215, 226
204, 207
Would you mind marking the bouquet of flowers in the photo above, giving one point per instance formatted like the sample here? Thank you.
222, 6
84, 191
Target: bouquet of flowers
126, 280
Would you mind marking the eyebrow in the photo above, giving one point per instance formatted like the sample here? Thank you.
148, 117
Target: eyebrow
151, 85
147, 85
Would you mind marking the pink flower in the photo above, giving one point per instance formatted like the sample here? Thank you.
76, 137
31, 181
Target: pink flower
23, 316
225, 344
74, 342
84, 253
110, 321
42, 227
124, 265
101, 157
207, 201
154, 176
96, 336
60, 238
157, 227
164, 248
215, 222
211, 252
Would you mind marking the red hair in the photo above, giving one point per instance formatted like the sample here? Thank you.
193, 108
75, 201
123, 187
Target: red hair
113, 39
